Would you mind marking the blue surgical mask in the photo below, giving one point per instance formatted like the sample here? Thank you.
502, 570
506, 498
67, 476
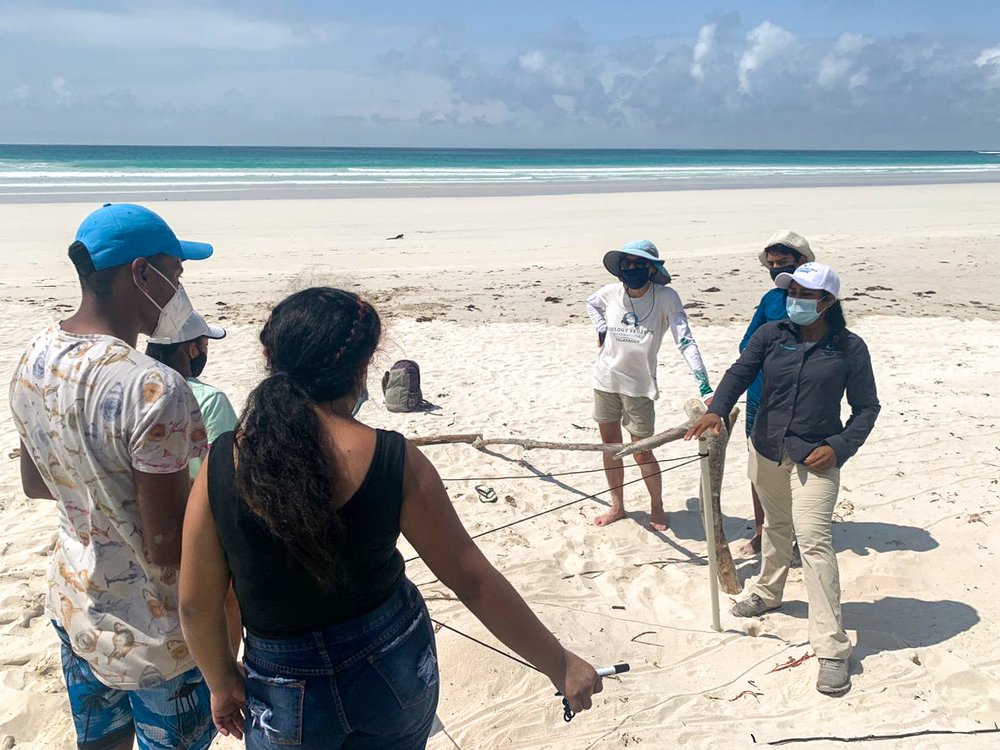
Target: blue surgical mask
362, 397
802, 311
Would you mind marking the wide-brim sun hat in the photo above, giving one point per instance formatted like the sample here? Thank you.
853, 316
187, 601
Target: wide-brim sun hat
815, 276
194, 328
639, 249
785, 240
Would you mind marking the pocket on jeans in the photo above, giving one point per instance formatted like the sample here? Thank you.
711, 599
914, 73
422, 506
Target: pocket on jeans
408, 664
274, 705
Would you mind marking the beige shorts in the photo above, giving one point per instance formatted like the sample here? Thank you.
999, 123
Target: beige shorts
636, 413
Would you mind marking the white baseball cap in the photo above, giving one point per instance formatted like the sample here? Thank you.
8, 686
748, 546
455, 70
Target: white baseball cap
812, 276
786, 239
194, 328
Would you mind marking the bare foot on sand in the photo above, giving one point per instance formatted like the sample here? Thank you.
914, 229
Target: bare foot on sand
615, 514
752, 547
659, 520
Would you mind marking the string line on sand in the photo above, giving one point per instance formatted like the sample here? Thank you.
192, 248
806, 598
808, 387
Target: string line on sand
522, 662
561, 473
573, 502
877, 737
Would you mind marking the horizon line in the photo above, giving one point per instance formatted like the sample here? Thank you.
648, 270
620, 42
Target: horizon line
505, 148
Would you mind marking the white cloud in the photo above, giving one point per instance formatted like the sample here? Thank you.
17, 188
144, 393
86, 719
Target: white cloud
765, 43
155, 28
848, 43
533, 62
702, 49
19, 93
63, 96
989, 57
841, 64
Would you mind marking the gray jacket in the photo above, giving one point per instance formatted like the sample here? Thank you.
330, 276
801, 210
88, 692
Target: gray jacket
803, 388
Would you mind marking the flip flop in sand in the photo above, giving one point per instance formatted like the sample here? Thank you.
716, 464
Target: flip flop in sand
486, 494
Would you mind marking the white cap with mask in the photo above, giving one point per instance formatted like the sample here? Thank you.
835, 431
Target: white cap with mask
816, 276
193, 328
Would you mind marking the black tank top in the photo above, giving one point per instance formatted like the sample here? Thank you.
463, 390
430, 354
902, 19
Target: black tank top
277, 595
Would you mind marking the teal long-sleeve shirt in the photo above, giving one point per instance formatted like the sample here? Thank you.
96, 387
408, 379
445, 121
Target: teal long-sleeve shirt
770, 309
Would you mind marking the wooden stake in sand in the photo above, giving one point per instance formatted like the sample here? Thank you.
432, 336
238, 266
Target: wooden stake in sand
716, 444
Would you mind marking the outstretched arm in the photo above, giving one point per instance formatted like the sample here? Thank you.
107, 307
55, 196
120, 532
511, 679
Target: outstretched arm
431, 525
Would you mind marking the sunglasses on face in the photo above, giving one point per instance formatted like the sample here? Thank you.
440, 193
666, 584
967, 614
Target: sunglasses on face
628, 263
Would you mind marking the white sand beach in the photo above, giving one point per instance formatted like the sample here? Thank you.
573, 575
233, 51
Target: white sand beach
487, 293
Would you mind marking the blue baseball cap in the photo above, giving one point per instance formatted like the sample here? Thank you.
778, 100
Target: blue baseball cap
118, 233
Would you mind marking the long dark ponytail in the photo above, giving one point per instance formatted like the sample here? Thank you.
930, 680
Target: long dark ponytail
318, 343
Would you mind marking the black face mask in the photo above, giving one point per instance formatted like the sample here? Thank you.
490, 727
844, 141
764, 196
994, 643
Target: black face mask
198, 364
634, 278
775, 272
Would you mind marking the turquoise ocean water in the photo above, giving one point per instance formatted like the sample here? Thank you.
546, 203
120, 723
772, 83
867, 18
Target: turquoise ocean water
68, 172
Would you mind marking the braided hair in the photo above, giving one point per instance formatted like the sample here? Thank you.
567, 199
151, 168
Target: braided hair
318, 344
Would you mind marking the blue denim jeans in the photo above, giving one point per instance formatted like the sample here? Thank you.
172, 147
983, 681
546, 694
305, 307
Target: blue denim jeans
371, 682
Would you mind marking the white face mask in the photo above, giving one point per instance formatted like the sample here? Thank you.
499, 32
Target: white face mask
174, 314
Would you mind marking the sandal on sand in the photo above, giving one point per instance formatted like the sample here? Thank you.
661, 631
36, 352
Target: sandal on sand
486, 494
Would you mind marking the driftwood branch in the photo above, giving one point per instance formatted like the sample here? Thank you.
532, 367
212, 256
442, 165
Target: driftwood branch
476, 440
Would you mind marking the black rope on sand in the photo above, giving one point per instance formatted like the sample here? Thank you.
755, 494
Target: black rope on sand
559, 474
878, 737
573, 502
522, 662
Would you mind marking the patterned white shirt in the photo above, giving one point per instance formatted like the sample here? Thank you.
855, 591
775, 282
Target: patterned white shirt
90, 410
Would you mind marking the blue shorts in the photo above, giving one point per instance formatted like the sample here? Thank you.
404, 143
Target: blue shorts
175, 714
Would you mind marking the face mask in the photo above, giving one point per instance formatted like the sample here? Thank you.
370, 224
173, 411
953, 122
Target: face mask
775, 272
362, 397
634, 278
802, 311
174, 314
198, 364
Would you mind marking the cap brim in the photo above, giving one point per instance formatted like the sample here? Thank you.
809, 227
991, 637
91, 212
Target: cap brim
613, 259
194, 250
784, 280
216, 332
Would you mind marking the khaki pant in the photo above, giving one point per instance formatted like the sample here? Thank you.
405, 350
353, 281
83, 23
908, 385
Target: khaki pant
801, 501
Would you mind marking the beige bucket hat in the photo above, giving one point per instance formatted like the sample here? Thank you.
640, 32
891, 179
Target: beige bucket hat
790, 240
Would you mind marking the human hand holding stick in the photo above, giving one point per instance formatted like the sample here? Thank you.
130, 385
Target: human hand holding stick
707, 422
568, 710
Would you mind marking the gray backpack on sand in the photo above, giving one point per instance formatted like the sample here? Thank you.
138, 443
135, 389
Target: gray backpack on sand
401, 386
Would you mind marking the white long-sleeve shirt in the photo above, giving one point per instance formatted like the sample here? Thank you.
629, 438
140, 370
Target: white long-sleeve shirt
634, 328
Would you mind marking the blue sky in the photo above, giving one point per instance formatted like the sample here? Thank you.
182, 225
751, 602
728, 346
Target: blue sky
546, 73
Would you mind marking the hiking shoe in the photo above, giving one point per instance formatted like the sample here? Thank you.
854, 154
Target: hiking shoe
752, 606
834, 678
